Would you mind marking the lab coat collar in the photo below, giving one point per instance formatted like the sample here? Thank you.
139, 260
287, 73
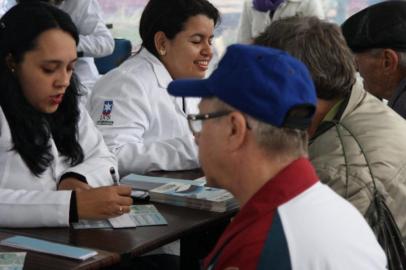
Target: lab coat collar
162, 75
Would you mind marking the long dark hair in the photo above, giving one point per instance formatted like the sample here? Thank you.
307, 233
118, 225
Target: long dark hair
32, 130
170, 16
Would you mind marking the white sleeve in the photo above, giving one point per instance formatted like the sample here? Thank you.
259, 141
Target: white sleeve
97, 158
244, 33
6, 5
312, 8
131, 118
95, 40
33, 208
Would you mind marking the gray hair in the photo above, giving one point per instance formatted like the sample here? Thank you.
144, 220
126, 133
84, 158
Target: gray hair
279, 142
321, 46
376, 52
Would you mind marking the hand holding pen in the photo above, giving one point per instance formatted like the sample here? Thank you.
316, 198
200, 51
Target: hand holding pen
137, 195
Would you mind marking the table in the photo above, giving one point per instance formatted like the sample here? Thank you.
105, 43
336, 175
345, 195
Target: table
189, 225
35, 260
182, 221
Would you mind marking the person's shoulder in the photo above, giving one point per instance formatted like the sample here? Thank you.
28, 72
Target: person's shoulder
130, 78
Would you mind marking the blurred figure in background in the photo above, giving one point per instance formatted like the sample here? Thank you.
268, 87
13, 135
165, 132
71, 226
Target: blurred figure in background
258, 14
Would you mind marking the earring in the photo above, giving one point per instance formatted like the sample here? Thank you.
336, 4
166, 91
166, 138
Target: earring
12, 70
162, 52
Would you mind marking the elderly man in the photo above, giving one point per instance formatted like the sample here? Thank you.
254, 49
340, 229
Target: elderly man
377, 36
252, 141
355, 138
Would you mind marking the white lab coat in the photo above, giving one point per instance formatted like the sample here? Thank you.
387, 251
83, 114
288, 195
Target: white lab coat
254, 22
144, 126
30, 201
95, 40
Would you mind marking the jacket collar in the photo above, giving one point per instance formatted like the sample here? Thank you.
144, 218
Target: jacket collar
161, 73
357, 95
398, 92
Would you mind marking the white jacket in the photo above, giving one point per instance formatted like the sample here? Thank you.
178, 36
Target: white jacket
141, 123
30, 201
95, 40
254, 22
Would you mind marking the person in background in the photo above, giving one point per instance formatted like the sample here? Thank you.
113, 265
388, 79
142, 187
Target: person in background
377, 37
141, 123
252, 139
355, 139
258, 14
95, 40
53, 160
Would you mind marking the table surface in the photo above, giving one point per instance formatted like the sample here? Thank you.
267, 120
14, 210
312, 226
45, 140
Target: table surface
116, 243
182, 221
35, 260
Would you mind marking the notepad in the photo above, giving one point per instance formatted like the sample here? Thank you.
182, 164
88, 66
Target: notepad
42, 246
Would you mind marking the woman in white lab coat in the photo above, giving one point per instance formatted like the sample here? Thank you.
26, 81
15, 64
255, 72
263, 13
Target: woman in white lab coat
95, 40
141, 123
258, 14
49, 146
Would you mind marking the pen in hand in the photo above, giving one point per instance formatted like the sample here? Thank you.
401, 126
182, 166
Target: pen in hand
114, 176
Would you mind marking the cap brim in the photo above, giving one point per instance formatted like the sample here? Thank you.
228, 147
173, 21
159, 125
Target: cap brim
189, 88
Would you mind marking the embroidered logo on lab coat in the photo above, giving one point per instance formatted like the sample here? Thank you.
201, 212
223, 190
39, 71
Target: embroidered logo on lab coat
105, 117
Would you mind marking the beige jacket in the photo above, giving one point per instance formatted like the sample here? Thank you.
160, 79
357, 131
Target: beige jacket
381, 133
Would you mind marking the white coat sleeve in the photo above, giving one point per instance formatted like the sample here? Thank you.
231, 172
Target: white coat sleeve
244, 32
97, 158
6, 5
312, 8
95, 40
131, 118
33, 208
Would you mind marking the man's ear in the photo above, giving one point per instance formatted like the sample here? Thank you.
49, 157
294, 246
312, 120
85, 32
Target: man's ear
237, 130
160, 42
390, 61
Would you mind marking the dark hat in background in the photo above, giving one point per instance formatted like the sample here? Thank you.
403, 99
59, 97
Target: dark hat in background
262, 82
382, 25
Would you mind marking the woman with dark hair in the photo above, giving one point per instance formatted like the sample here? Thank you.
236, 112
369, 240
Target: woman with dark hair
142, 124
95, 40
258, 14
47, 142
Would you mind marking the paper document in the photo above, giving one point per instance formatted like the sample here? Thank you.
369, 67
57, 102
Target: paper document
123, 221
38, 245
140, 215
12, 260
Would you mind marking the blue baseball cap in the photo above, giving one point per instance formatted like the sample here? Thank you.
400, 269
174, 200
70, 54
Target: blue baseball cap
262, 82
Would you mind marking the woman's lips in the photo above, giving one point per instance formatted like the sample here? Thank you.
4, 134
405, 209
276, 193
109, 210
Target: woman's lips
57, 99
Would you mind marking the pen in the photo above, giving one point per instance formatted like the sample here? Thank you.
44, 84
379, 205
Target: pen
114, 176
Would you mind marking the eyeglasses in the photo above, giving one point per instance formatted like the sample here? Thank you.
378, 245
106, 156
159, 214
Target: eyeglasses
196, 120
